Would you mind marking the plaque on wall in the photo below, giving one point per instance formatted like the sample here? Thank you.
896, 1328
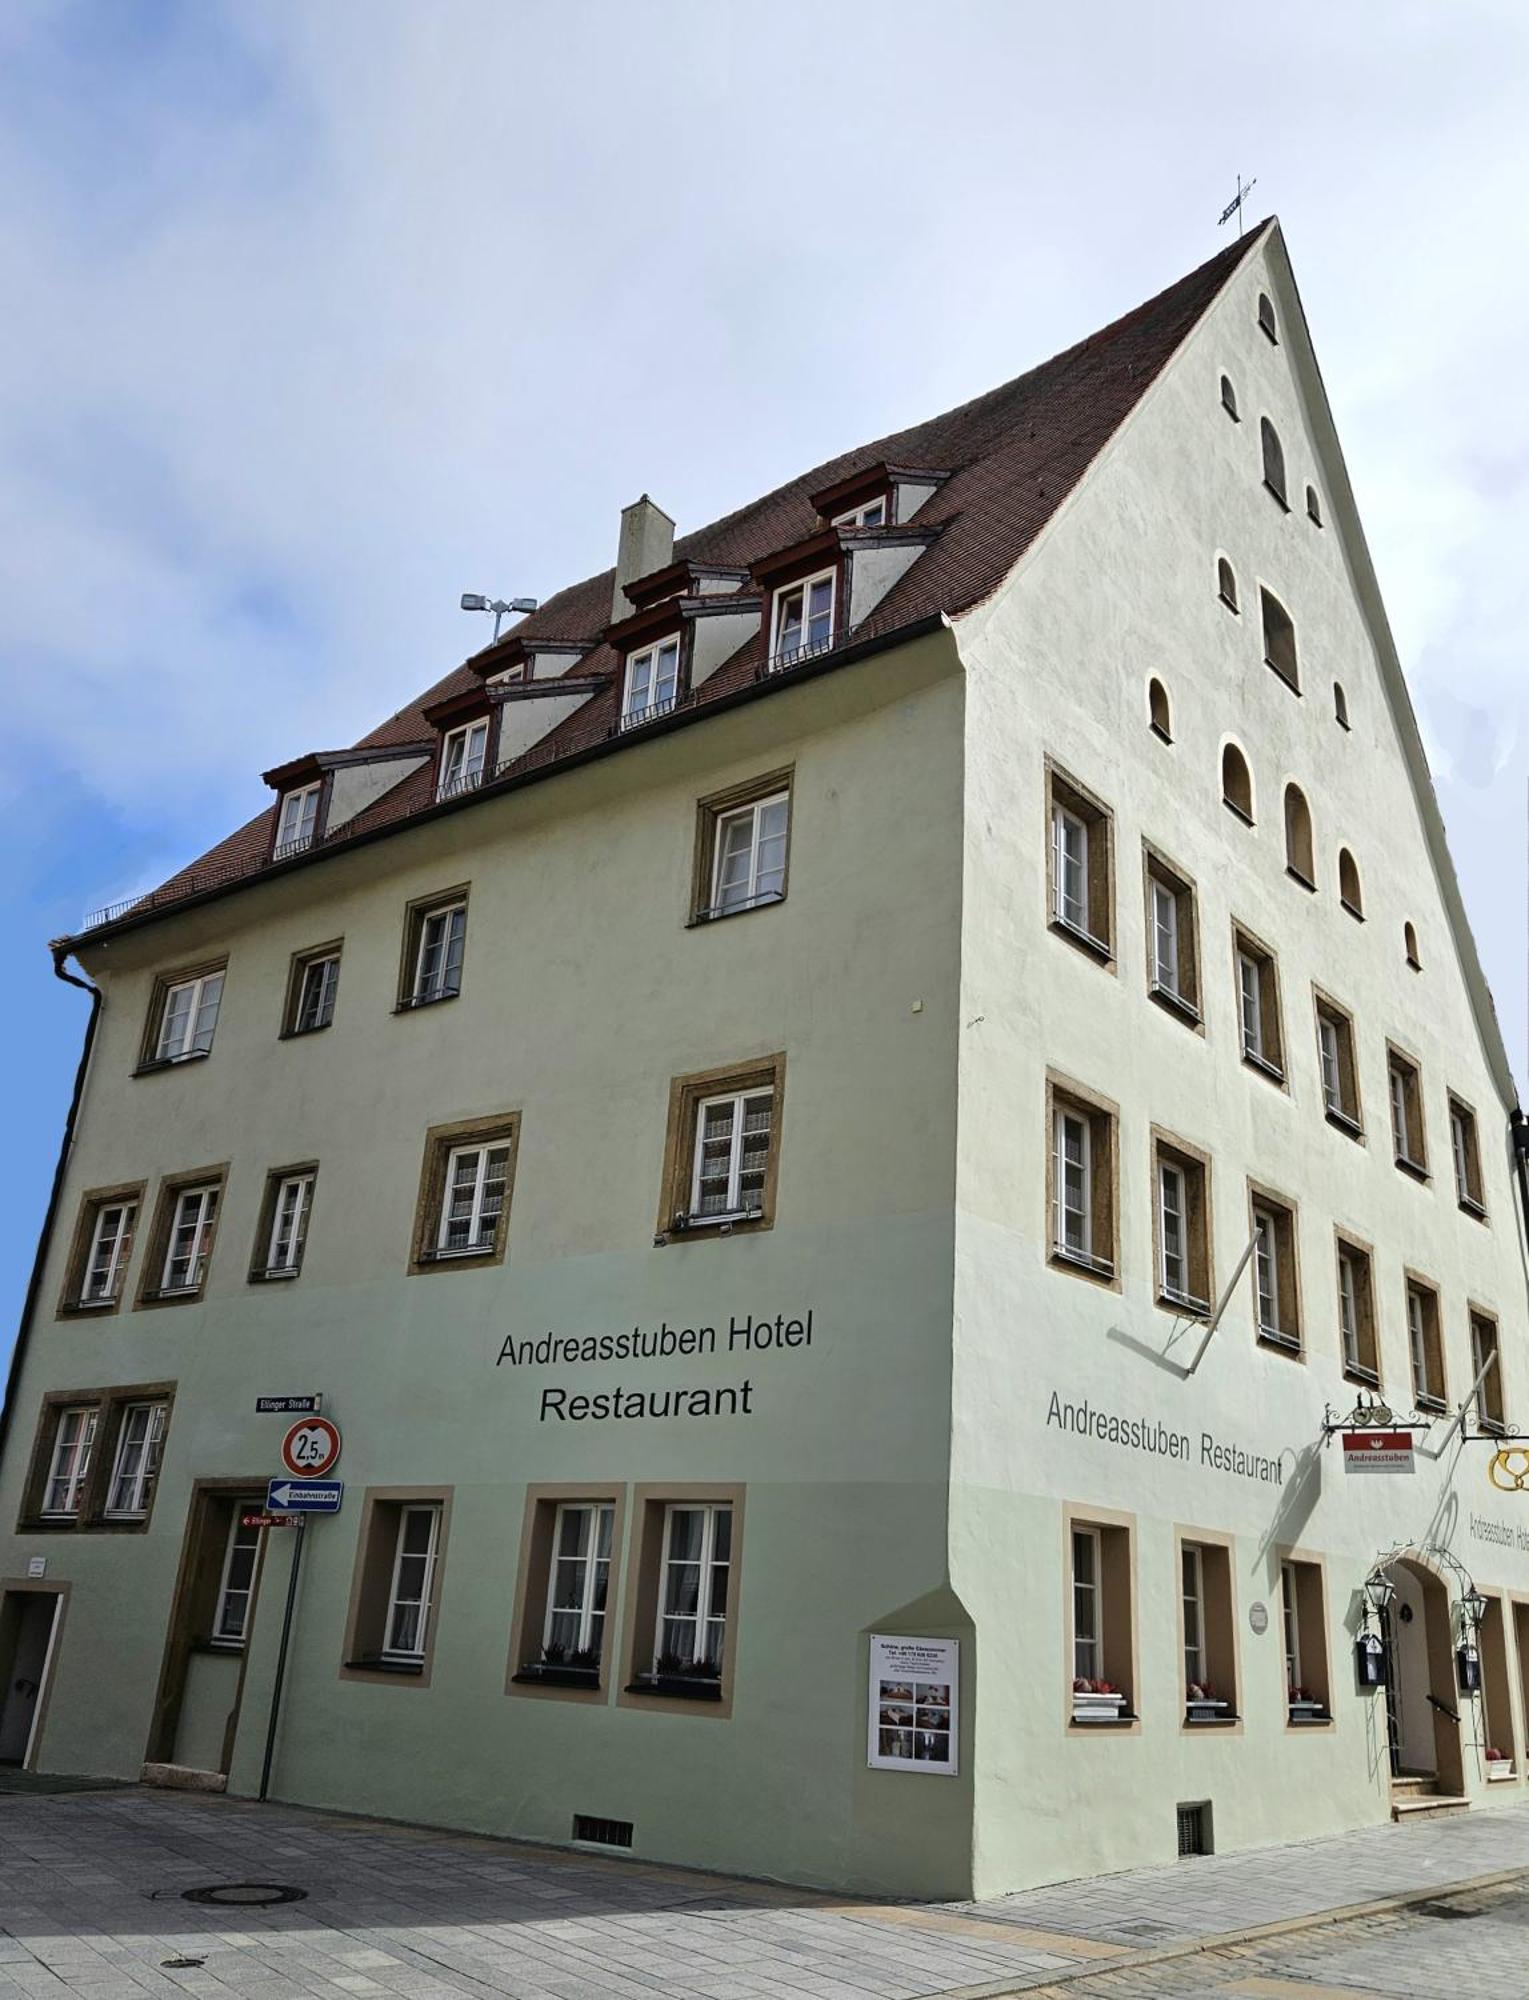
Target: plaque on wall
914, 1705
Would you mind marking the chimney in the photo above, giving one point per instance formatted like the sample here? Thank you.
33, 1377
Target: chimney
647, 543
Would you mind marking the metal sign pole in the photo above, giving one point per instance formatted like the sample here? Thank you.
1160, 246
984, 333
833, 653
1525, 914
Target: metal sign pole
300, 1534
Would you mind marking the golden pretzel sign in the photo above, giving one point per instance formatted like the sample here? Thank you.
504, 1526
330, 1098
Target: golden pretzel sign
1509, 1470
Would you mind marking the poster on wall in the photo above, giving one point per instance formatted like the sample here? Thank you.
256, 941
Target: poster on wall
915, 1689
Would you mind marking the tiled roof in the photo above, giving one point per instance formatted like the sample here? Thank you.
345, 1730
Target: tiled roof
1012, 456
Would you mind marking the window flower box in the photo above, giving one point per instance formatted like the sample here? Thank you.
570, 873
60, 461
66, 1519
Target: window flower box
1304, 1709
690, 1680
559, 1673
1202, 1705
1499, 1766
1098, 1701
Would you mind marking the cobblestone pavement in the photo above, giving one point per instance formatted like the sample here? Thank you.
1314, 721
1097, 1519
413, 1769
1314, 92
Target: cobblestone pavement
92, 1905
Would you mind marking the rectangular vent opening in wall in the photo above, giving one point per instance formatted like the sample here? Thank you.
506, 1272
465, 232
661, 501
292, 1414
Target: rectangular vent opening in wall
1194, 1829
602, 1832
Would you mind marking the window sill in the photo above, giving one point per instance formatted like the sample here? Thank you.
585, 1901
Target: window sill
1100, 1269
406, 1669
227, 1649
447, 1260
1414, 1169
1096, 947
1275, 493
1185, 1304
676, 1687
1264, 1067
412, 1004
279, 1275
1236, 810
158, 1063
1367, 1378
1282, 677
48, 1524
1475, 1209
535, 1675
301, 1034
1353, 909
1305, 881
1321, 1719
1277, 1338
1223, 1721
1175, 1003
1231, 603
1434, 1403
85, 1307
1159, 732
178, 1295
1350, 1126
701, 918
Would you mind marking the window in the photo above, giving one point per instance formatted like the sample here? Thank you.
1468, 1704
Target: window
1410, 947
236, 1583
183, 1018
1486, 1354
282, 1230
1210, 1659
741, 848
1236, 783
871, 514
1340, 705
1303, 1621
1229, 398
804, 619
435, 938
580, 1585
1425, 1344
1276, 1271
312, 985
1313, 507
396, 1587
1173, 945
1274, 461
1335, 1059
1181, 1227
463, 752
1279, 640
73, 1442
1081, 888
1266, 321
1466, 1155
1407, 1136
723, 1150
652, 683
190, 1240
692, 1620
1263, 1040
140, 1441
1226, 583
1299, 850
102, 1248
1356, 1315
1081, 1191
299, 816
559, 1639
1158, 715
1101, 1660
466, 1183
1350, 894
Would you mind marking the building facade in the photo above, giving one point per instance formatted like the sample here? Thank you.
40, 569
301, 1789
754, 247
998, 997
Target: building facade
836, 1121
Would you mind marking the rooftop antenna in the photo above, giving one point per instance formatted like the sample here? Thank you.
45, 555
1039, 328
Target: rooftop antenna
1234, 206
502, 608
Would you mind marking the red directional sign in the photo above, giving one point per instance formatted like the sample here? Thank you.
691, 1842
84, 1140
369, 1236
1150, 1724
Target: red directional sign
310, 1448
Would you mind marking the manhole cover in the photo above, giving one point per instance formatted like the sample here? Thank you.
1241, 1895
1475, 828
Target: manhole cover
245, 1893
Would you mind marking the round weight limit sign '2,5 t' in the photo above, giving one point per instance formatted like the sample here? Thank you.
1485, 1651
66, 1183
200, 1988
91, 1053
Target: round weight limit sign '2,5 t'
311, 1448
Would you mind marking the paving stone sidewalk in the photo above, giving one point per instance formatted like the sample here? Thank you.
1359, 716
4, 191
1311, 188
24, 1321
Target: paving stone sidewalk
91, 1905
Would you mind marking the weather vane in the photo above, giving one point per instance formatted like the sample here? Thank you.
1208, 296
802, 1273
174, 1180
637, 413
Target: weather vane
1234, 206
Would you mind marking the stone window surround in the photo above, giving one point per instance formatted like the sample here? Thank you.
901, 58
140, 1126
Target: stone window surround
151, 1263
110, 1405
92, 1201
533, 1580
710, 812
371, 1583
499, 1128
639, 1623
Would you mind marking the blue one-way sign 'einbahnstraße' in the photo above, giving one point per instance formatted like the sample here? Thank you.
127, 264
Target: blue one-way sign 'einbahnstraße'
304, 1496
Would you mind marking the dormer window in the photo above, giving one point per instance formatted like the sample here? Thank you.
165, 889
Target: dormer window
463, 752
299, 816
804, 618
652, 683
873, 514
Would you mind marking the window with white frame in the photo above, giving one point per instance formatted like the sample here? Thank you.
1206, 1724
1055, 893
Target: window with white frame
463, 752
1172, 949
1080, 893
1173, 1231
1183, 1257
1073, 1193
869, 514
1466, 1154
750, 855
1425, 1344
236, 1583
1491, 1401
1165, 936
291, 1198
318, 981
140, 1441
106, 1259
1087, 1605
1356, 1315
299, 815
693, 1579
804, 618
574, 1629
474, 1199
1258, 1007
732, 1156
441, 938
1340, 1077
1276, 1286
1069, 875
1196, 1671
652, 682
188, 1017
69, 1466
189, 1242
1407, 1113
1291, 1626
411, 1592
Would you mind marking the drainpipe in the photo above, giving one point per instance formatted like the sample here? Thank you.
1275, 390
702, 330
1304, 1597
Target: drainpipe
34, 1284
1518, 1126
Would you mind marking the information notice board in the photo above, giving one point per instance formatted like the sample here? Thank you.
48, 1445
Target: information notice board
914, 1705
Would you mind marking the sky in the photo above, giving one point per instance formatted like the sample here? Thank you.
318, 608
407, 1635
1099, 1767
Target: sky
318, 312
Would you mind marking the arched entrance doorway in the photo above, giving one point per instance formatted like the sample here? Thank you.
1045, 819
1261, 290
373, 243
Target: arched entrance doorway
1422, 1705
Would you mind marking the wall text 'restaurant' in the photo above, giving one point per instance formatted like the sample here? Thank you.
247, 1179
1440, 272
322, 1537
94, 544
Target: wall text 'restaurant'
744, 1335
637, 1403
1148, 1434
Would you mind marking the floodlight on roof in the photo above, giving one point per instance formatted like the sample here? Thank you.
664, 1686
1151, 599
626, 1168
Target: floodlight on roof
502, 608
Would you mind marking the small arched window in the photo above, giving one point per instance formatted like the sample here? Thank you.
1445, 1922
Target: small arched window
1340, 705
1158, 713
1266, 319
1313, 506
1350, 894
1279, 640
1274, 461
1236, 783
1229, 399
1298, 843
1226, 583
1410, 940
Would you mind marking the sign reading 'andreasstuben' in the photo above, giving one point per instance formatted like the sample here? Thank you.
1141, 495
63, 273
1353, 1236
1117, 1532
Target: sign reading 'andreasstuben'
743, 1335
